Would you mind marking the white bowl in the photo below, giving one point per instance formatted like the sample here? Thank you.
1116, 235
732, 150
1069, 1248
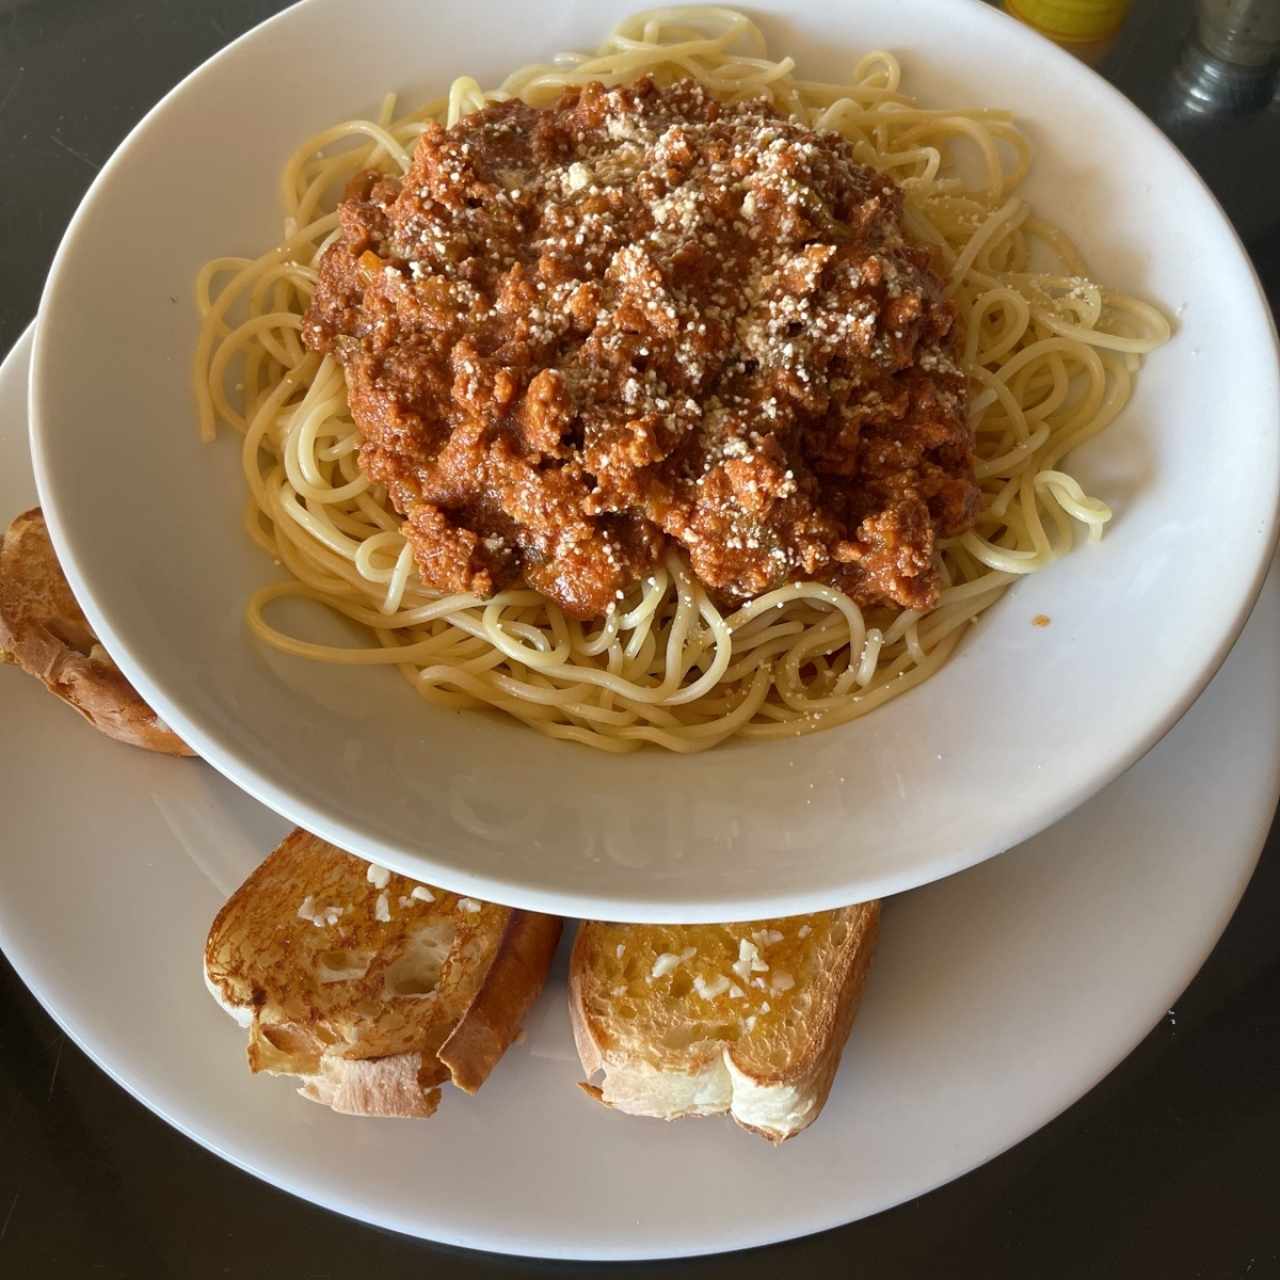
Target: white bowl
1018, 729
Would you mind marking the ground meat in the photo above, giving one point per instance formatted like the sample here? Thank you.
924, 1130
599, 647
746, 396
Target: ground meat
573, 334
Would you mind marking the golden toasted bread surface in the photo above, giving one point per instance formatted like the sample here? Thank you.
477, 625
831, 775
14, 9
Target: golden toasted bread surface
701, 1019
44, 631
330, 961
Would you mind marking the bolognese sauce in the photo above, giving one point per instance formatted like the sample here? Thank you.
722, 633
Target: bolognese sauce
574, 335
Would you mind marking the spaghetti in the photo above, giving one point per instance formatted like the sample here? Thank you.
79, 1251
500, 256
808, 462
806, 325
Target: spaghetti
1050, 356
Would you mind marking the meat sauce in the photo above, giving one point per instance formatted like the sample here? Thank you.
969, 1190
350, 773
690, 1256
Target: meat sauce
572, 335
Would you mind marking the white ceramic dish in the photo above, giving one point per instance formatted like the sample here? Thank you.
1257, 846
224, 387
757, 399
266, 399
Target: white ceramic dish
998, 997
1018, 730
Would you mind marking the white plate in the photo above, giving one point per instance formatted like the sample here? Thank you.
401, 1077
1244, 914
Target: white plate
1024, 724
998, 997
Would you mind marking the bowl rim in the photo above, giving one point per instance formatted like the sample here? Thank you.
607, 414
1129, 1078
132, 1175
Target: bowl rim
334, 824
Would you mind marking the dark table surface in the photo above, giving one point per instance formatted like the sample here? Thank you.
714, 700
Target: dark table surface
1169, 1168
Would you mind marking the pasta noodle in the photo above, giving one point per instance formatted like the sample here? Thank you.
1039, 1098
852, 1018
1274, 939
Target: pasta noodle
1050, 355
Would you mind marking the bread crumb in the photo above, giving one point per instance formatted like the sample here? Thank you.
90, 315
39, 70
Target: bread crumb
378, 876
709, 990
319, 916
668, 960
382, 908
749, 960
468, 904
422, 893
1041, 620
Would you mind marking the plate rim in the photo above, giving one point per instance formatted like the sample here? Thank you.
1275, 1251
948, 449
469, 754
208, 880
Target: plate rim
29, 970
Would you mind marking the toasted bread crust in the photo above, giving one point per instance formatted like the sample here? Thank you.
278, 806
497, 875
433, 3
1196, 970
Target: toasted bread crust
713, 1077
817, 1081
360, 1044
590, 1052
44, 631
514, 981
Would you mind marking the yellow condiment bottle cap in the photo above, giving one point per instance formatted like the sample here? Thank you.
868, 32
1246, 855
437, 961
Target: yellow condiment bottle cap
1072, 19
